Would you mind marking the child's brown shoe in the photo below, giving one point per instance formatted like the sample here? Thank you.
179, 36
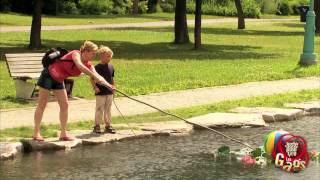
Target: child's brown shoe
109, 129
96, 129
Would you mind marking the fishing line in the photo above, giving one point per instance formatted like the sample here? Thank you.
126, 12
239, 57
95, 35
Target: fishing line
115, 104
176, 116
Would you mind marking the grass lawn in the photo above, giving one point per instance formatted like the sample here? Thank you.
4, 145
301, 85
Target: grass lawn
277, 100
13, 19
146, 61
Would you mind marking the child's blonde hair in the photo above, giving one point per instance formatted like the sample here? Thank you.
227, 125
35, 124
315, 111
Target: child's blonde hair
88, 46
105, 49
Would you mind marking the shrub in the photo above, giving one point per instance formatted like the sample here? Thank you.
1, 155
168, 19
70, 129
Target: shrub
251, 8
143, 7
268, 6
67, 7
121, 6
289, 7
5, 5
168, 5
95, 6
284, 8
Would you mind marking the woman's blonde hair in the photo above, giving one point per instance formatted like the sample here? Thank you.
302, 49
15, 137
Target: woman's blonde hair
105, 49
88, 46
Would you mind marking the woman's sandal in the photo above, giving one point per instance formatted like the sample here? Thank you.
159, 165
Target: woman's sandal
66, 138
39, 139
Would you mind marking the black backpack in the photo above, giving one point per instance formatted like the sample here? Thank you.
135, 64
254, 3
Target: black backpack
53, 55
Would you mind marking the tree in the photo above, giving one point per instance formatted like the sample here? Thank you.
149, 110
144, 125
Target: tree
180, 24
135, 9
197, 25
317, 11
35, 36
241, 23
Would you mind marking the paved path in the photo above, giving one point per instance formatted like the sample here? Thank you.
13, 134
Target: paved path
131, 25
84, 109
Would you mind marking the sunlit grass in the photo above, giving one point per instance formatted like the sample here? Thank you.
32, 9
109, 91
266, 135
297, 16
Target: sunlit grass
146, 60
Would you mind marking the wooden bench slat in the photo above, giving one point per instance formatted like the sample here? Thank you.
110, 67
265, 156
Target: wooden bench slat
25, 55
23, 62
24, 59
28, 75
26, 66
25, 71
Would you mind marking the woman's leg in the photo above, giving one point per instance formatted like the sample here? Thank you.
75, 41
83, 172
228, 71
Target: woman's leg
62, 97
42, 102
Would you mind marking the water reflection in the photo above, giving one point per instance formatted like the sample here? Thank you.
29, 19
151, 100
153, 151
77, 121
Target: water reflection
187, 157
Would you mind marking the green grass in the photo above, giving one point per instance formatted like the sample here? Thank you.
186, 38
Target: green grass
277, 100
273, 16
146, 60
13, 19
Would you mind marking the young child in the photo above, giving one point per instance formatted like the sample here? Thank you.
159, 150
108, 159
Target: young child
103, 94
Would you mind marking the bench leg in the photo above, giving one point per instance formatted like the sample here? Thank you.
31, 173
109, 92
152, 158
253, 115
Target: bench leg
24, 89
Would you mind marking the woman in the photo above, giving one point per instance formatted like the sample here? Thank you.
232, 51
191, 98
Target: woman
52, 78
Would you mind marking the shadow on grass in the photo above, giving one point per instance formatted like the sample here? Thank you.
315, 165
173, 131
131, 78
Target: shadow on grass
216, 31
293, 25
226, 31
298, 71
15, 100
70, 17
160, 50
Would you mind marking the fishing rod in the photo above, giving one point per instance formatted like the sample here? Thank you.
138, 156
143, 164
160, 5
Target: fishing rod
176, 116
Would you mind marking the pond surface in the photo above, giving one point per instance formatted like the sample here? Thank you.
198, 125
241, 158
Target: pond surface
187, 157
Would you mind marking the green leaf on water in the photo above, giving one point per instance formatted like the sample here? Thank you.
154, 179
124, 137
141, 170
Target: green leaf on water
224, 150
257, 152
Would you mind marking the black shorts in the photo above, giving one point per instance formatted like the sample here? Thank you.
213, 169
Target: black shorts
47, 82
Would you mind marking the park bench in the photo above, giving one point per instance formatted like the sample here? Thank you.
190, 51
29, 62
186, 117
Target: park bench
24, 67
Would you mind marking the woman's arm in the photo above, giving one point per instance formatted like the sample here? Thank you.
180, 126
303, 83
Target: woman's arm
94, 87
77, 61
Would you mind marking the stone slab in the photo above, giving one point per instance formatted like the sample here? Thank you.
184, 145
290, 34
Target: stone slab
311, 107
228, 120
52, 144
10, 150
272, 114
172, 127
89, 138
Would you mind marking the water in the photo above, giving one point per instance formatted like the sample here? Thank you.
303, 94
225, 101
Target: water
187, 157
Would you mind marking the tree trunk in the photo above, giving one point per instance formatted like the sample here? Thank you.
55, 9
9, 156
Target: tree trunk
197, 25
135, 9
180, 24
35, 36
317, 11
241, 23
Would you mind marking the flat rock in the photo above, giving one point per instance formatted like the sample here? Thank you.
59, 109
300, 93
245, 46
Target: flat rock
312, 107
89, 138
272, 114
52, 144
172, 127
9, 150
228, 120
